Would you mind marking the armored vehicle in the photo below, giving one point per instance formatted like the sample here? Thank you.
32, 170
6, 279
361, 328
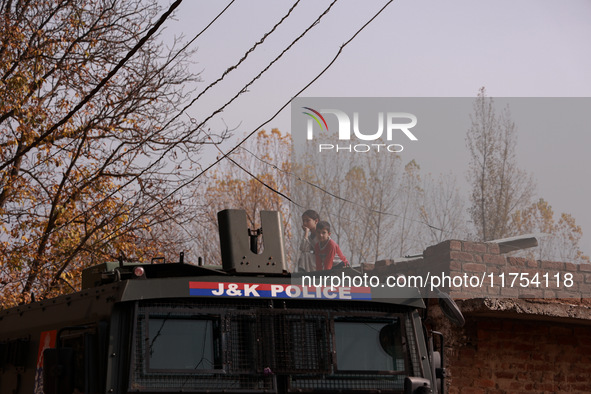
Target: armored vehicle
243, 327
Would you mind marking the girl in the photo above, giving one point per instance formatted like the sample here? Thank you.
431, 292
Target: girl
307, 262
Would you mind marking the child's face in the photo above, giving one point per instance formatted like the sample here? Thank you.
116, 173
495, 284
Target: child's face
323, 235
309, 223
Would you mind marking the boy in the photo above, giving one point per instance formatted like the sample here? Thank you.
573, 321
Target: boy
327, 252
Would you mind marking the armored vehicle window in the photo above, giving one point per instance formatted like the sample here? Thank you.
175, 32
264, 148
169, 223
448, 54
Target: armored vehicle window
182, 343
368, 345
220, 345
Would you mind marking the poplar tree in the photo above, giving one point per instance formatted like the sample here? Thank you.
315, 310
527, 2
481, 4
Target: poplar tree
499, 186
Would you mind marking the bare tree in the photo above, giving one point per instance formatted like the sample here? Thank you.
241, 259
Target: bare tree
250, 180
85, 122
499, 186
370, 200
442, 210
95, 160
558, 238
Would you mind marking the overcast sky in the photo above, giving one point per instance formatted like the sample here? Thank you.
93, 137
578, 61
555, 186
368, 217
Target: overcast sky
525, 48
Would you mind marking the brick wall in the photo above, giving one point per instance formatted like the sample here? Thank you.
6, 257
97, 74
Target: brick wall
516, 340
501, 276
497, 355
508, 273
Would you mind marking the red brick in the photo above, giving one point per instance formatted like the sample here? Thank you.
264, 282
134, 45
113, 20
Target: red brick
473, 267
532, 272
455, 245
493, 248
517, 261
494, 259
519, 356
472, 390
483, 370
483, 335
491, 324
545, 367
516, 386
531, 293
546, 387
583, 388
533, 263
484, 383
522, 376
568, 295
474, 247
525, 347
461, 256
549, 293
585, 267
493, 269
467, 353
505, 375
570, 267
509, 292
582, 332
553, 265
559, 378
582, 378
567, 341
505, 385
529, 327
518, 367
577, 278
462, 382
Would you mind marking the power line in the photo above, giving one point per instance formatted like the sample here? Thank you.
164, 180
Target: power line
323, 190
168, 62
188, 44
258, 76
258, 179
198, 175
233, 67
97, 88
242, 90
322, 72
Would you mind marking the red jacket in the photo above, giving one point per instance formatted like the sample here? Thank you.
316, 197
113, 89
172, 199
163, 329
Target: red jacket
328, 255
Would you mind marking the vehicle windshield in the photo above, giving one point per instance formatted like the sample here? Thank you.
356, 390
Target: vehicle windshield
369, 346
180, 344
230, 346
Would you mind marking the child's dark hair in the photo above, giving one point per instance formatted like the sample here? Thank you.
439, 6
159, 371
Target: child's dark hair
323, 226
311, 214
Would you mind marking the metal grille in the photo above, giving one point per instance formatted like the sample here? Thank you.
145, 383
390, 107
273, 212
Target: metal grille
300, 341
347, 382
415, 363
241, 349
237, 370
259, 343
